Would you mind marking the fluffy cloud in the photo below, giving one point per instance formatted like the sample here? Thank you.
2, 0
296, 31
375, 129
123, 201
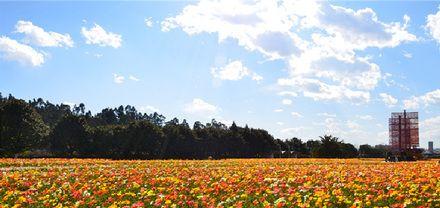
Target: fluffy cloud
201, 107
427, 99
433, 25
292, 131
148, 109
118, 79
366, 117
149, 22
263, 26
278, 110
296, 115
286, 102
332, 126
327, 115
389, 81
287, 93
14, 51
352, 125
407, 55
71, 104
234, 70
359, 74
389, 100
349, 130
97, 35
318, 90
326, 58
96, 55
358, 29
37, 36
131, 77
429, 128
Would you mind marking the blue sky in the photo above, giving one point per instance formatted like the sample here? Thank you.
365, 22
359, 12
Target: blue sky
294, 68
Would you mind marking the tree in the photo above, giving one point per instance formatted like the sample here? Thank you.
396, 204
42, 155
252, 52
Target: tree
348, 150
157, 119
21, 127
106, 117
50, 113
313, 147
79, 110
143, 139
330, 147
298, 147
368, 151
180, 140
69, 136
123, 132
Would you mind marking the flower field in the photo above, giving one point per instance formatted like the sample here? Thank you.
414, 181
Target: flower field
218, 183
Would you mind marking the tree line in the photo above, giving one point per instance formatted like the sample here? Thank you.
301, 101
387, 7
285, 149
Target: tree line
39, 128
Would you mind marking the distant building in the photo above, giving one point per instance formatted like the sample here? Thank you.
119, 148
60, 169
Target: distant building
431, 146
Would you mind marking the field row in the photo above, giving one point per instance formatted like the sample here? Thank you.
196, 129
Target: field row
219, 183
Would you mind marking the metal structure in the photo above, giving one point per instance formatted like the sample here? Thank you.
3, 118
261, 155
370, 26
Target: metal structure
404, 131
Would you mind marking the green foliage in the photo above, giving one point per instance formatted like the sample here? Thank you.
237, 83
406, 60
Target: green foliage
367, 151
21, 127
69, 135
332, 147
125, 133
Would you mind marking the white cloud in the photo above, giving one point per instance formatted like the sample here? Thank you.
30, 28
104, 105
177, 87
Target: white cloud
292, 131
332, 126
256, 77
278, 110
149, 22
97, 35
382, 137
262, 26
359, 29
296, 115
366, 117
325, 56
358, 73
148, 109
389, 100
407, 54
433, 25
318, 90
37, 36
411, 103
349, 131
387, 79
201, 107
427, 99
352, 125
96, 55
286, 102
280, 123
131, 77
287, 93
118, 79
14, 51
234, 70
429, 128
71, 104
326, 115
